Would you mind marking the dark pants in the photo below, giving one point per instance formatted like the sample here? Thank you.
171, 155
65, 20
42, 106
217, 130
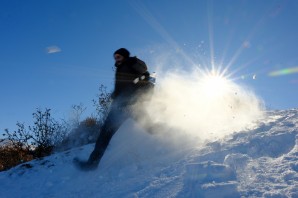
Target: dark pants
117, 115
120, 111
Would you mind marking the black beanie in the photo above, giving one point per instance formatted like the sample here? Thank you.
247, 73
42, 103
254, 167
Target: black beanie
123, 52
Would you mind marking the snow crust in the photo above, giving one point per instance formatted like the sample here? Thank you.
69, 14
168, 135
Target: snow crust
259, 162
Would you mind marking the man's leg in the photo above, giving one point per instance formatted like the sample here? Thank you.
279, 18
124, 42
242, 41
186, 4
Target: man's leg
142, 117
109, 128
112, 123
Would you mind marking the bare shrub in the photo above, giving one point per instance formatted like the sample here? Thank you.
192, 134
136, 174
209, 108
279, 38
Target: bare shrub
37, 141
102, 103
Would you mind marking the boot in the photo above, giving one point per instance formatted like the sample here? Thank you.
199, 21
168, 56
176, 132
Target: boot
85, 165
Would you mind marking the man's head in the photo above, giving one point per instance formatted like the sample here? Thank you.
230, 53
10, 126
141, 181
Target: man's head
120, 55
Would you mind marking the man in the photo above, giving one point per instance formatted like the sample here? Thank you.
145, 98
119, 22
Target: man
131, 81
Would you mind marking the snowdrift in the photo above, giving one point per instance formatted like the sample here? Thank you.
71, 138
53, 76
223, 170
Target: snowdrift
259, 162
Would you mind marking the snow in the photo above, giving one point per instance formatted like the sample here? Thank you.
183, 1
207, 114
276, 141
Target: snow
259, 162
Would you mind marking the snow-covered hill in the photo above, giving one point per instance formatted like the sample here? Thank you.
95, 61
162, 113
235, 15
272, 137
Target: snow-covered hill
262, 162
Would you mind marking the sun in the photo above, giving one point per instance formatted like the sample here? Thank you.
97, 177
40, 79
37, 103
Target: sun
215, 85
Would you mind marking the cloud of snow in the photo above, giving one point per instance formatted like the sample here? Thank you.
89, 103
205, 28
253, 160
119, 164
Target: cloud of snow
184, 106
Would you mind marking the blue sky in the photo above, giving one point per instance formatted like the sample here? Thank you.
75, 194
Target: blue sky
252, 37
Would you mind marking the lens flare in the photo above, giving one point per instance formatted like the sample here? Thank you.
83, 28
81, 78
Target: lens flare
283, 72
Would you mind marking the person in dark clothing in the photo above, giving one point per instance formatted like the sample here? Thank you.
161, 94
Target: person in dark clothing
131, 81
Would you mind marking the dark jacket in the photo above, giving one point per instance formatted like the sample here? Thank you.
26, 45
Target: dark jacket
126, 73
